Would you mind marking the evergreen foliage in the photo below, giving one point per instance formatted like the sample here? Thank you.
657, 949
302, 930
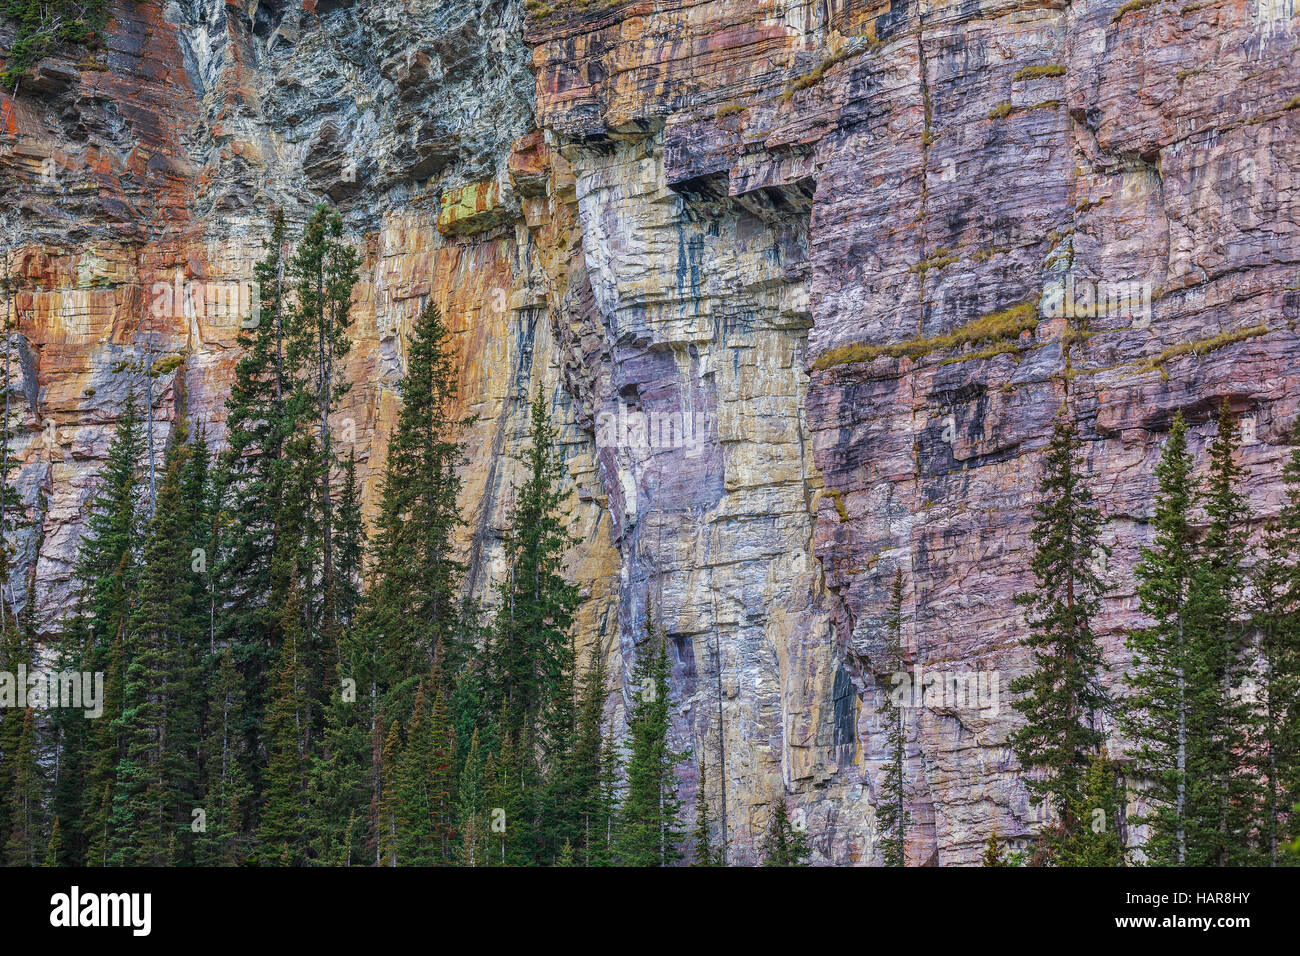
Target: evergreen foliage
1062, 698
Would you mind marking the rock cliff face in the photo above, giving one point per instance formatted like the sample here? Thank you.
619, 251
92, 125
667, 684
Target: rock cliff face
805, 281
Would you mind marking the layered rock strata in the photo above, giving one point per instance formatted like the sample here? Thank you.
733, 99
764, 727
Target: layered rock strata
805, 284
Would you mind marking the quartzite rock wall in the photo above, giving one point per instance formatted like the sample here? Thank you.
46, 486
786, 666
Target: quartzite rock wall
721, 216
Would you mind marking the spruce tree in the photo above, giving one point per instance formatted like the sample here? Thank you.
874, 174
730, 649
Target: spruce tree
1157, 709
323, 271
1218, 719
648, 827
351, 544
528, 684
1062, 697
471, 806
390, 839
530, 643
227, 790
255, 506
339, 783
15, 646
589, 772
107, 566
509, 811
156, 785
282, 832
27, 837
1273, 738
993, 854
424, 781
413, 606
1095, 841
704, 854
785, 845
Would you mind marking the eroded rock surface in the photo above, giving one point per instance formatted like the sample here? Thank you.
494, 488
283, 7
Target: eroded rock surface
805, 283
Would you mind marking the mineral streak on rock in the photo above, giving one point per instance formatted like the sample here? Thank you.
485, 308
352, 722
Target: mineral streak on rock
804, 282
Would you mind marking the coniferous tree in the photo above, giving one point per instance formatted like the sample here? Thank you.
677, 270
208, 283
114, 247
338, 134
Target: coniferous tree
786, 844
530, 646
339, 783
1158, 706
228, 793
107, 566
509, 811
424, 781
560, 805
892, 811
15, 647
351, 544
155, 782
589, 772
255, 506
1062, 697
1219, 719
323, 271
390, 840
566, 855
528, 684
1095, 841
54, 848
17, 652
648, 827
27, 838
994, 854
704, 853
471, 806
1273, 736
413, 607
282, 832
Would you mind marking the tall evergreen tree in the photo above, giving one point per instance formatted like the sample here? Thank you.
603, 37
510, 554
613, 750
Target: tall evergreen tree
87, 752
156, 785
351, 544
589, 772
1222, 786
1158, 705
530, 645
282, 833
648, 827
786, 844
227, 790
471, 806
1062, 697
510, 821
255, 506
413, 606
390, 841
425, 781
15, 648
528, 684
704, 852
1273, 736
323, 271
27, 837
339, 785
1095, 841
